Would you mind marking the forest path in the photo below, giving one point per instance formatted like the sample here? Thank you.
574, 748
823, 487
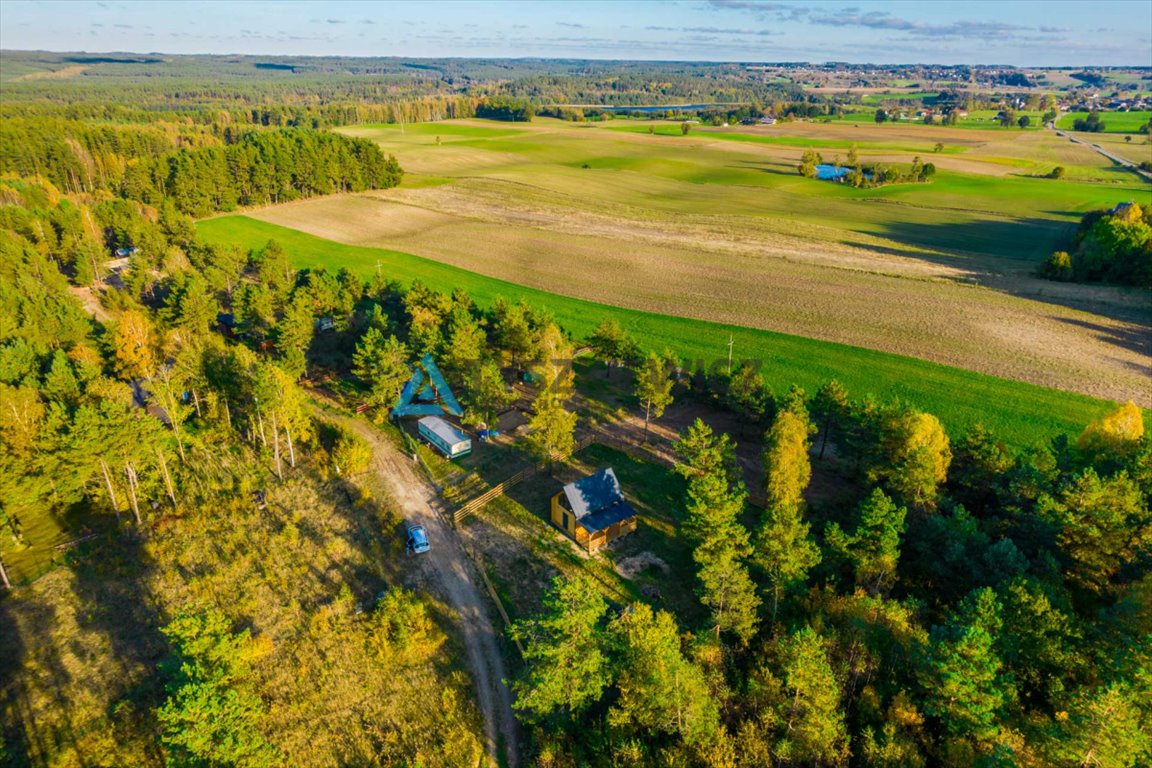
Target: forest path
452, 570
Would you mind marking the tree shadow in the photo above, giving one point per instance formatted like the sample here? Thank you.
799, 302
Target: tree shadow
1138, 340
88, 631
1032, 240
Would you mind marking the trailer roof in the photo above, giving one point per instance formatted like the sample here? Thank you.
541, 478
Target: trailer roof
443, 430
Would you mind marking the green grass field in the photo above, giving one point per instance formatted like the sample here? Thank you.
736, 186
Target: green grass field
734, 134
1021, 414
1114, 122
982, 119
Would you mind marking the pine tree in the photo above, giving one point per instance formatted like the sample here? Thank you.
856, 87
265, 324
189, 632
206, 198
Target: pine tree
610, 343
813, 724
653, 388
382, 363
659, 688
704, 452
1103, 524
874, 547
567, 666
961, 673
294, 335
486, 392
551, 432
211, 715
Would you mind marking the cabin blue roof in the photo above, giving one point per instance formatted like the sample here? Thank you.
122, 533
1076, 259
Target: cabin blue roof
598, 521
597, 501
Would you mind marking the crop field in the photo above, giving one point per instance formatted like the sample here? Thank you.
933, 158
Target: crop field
1021, 413
717, 225
1114, 122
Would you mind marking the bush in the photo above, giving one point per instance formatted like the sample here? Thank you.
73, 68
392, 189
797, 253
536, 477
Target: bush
1090, 124
1056, 173
1058, 267
1112, 246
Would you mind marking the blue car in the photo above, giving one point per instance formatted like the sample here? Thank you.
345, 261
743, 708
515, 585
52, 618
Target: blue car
417, 540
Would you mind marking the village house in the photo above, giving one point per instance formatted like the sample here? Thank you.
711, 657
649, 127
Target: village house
593, 510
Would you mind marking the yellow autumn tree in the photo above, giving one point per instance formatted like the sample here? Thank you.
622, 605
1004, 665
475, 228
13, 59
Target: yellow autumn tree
135, 346
553, 362
786, 461
917, 457
1114, 432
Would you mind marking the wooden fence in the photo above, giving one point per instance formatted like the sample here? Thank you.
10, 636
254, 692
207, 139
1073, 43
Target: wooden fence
472, 505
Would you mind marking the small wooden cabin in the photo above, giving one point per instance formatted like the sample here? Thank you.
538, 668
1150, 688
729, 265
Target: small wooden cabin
593, 510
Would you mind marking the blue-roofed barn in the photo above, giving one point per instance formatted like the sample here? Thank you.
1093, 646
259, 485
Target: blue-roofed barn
593, 510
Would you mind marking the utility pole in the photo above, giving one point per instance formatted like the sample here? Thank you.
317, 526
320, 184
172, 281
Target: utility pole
731, 341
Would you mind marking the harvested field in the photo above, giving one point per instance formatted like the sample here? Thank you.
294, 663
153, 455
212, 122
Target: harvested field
717, 225
713, 269
1021, 413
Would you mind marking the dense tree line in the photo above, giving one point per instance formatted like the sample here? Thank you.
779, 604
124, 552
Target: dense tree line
145, 164
972, 607
1112, 246
862, 175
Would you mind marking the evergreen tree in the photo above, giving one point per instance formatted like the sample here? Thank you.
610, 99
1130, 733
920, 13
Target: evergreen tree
874, 547
659, 689
294, 335
381, 363
211, 716
653, 388
961, 673
487, 393
611, 344
567, 667
1104, 525
830, 409
809, 712
551, 430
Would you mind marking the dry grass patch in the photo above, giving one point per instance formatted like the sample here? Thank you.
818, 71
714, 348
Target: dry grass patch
738, 270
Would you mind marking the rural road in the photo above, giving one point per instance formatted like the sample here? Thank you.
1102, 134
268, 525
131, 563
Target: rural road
1114, 158
453, 571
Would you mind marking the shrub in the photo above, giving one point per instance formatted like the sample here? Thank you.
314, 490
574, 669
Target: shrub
1058, 266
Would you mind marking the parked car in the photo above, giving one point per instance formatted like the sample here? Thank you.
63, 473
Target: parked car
417, 540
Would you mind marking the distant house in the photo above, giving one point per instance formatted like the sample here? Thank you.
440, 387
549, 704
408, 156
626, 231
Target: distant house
593, 510
1122, 210
444, 437
325, 324
768, 120
124, 253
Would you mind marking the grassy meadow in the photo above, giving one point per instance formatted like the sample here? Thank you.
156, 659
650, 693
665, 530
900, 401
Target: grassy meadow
718, 225
1114, 122
1021, 413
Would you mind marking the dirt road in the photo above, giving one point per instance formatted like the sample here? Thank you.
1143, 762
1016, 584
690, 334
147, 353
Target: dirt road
453, 572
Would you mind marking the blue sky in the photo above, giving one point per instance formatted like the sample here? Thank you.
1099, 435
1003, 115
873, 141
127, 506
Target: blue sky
1043, 33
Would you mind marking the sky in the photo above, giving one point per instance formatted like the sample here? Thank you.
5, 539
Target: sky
1021, 33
